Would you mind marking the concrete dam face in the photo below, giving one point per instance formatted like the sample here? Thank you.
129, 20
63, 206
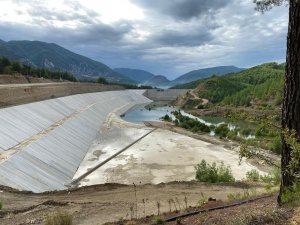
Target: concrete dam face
43, 143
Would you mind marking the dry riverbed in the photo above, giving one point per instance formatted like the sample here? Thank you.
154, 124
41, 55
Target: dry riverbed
163, 155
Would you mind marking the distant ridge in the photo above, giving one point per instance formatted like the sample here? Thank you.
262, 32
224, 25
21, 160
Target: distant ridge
55, 57
204, 73
158, 81
140, 76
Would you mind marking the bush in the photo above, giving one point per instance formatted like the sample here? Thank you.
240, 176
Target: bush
276, 145
1, 205
260, 130
59, 218
232, 135
222, 130
246, 132
102, 80
291, 196
189, 123
166, 118
253, 175
213, 173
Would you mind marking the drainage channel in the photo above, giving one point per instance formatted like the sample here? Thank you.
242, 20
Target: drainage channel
77, 180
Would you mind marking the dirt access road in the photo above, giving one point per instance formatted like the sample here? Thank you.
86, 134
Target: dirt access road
204, 101
108, 202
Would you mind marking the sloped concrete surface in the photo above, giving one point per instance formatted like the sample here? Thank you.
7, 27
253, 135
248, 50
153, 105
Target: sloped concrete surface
42, 144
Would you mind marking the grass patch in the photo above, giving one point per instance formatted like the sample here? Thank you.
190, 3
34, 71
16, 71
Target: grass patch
291, 196
59, 218
253, 175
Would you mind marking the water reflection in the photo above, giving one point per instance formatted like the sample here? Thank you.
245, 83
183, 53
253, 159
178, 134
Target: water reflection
141, 114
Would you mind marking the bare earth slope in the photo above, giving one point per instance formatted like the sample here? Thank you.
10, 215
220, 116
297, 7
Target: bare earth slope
15, 94
105, 203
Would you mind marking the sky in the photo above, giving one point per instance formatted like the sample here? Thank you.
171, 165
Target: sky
166, 37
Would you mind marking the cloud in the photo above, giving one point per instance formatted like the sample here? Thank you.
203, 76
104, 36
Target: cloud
171, 37
182, 9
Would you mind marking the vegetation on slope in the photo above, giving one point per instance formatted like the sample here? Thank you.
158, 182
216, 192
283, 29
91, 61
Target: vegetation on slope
8, 67
204, 73
260, 83
260, 86
213, 173
268, 92
259, 134
216, 88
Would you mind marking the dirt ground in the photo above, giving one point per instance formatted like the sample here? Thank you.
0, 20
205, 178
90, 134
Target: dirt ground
16, 90
109, 202
19, 79
260, 212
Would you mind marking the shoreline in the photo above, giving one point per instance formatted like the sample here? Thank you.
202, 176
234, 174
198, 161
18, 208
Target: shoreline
167, 154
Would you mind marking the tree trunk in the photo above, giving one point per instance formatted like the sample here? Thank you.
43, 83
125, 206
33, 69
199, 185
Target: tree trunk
291, 102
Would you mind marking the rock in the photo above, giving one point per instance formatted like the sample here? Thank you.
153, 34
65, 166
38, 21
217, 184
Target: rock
211, 199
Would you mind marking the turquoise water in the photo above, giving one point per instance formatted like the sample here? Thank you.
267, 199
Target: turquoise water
141, 114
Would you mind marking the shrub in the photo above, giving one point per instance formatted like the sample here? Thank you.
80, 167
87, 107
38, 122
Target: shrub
102, 80
189, 123
232, 135
291, 196
213, 173
260, 130
276, 145
159, 220
246, 132
1, 205
59, 218
166, 118
222, 130
253, 175
178, 221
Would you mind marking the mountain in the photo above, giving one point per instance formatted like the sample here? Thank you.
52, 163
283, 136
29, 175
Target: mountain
55, 57
140, 76
158, 81
4, 51
7, 53
145, 78
204, 73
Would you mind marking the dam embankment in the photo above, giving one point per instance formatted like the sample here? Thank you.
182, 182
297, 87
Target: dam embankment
16, 94
43, 143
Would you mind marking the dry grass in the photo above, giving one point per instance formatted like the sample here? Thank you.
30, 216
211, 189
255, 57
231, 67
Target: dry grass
59, 218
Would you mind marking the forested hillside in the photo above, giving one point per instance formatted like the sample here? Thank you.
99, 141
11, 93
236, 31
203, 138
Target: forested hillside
258, 85
14, 67
204, 73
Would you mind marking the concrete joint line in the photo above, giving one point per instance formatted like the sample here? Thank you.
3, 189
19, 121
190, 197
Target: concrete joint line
77, 180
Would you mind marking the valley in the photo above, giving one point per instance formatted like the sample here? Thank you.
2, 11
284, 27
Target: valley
139, 112
128, 141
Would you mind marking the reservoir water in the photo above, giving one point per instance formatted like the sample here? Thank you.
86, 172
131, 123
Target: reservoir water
142, 113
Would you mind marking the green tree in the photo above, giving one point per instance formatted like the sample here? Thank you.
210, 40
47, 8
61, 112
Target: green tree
291, 100
4, 63
16, 67
102, 80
